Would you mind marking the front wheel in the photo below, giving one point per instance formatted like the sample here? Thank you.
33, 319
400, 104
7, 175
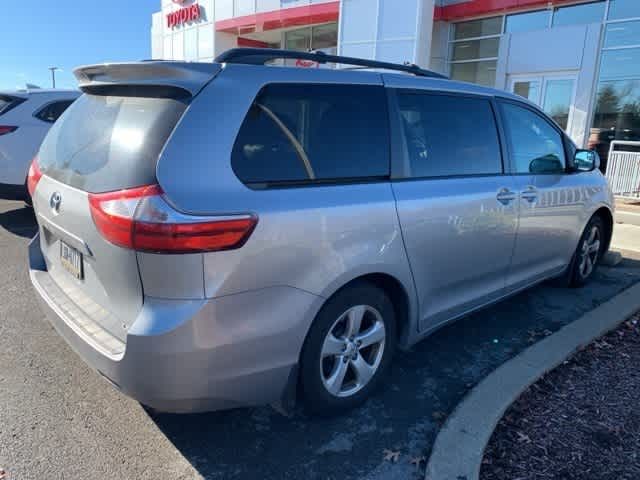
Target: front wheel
588, 254
348, 350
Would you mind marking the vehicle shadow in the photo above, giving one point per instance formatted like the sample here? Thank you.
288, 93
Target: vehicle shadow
425, 385
19, 221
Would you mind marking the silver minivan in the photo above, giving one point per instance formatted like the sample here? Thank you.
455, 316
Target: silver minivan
238, 233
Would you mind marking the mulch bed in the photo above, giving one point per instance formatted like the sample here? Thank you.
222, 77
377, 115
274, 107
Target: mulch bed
580, 421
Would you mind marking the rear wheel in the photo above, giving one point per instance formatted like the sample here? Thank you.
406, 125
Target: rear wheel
588, 254
348, 350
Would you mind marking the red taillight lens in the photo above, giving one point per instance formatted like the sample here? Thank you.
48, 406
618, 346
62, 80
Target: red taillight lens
4, 129
140, 219
33, 176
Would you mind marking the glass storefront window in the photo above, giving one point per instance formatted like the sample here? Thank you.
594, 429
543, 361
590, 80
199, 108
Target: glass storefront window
475, 60
324, 37
619, 9
617, 108
478, 28
557, 100
469, 50
529, 89
298, 39
579, 14
620, 64
622, 34
523, 22
482, 73
617, 115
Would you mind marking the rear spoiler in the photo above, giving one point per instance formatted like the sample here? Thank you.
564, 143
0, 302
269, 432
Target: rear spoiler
182, 78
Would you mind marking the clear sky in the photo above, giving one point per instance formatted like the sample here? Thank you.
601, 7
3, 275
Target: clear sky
37, 34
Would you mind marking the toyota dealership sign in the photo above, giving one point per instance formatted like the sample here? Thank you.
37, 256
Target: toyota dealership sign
186, 14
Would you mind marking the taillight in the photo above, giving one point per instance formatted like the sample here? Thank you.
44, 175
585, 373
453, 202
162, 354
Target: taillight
140, 219
34, 176
4, 129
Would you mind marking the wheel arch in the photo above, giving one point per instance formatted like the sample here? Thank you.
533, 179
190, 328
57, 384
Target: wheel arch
607, 217
402, 297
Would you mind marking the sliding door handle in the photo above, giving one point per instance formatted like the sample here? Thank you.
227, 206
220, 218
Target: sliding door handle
506, 196
530, 194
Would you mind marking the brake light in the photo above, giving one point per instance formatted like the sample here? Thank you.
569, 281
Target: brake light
140, 219
4, 129
34, 176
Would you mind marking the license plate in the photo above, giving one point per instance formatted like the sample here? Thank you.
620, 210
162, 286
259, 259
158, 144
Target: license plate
71, 260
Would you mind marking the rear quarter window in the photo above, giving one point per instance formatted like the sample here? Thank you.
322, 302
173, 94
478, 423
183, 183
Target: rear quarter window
8, 102
105, 143
52, 111
300, 134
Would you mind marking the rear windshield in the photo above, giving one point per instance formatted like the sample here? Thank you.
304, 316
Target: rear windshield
105, 143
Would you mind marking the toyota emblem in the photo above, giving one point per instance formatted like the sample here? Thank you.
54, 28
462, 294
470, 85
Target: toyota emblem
55, 201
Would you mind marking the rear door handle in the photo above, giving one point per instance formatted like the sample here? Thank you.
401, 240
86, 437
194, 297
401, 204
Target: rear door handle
530, 194
506, 196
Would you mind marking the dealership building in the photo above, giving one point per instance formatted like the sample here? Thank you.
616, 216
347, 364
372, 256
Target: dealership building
579, 60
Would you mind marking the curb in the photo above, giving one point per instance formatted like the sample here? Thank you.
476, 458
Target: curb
459, 447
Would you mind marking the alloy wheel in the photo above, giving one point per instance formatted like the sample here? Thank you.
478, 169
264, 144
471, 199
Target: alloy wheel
590, 252
352, 351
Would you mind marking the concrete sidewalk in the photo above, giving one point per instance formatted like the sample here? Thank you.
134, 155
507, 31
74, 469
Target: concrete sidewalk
626, 237
459, 447
628, 212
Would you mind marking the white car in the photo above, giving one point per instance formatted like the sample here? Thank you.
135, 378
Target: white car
25, 119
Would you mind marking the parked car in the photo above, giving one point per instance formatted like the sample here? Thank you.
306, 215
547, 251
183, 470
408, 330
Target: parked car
232, 234
25, 118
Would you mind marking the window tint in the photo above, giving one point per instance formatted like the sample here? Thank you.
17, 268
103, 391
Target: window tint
535, 145
473, 49
525, 22
619, 9
478, 28
302, 133
579, 14
106, 143
7, 103
449, 135
52, 111
482, 73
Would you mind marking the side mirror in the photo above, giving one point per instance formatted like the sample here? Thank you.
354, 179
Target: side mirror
586, 161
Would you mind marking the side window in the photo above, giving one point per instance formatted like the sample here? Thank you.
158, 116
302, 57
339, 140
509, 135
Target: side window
449, 135
536, 146
52, 111
305, 133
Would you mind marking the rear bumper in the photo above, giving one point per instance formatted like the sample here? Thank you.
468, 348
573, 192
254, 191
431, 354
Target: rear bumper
9, 191
194, 355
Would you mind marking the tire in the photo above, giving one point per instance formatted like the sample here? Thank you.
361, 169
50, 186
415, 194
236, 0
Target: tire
28, 202
588, 254
331, 349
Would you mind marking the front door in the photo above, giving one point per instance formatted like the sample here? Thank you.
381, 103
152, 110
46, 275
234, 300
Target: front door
551, 201
555, 94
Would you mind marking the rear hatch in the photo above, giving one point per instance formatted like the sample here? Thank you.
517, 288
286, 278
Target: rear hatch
110, 139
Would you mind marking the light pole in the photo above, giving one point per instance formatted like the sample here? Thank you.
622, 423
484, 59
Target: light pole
53, 75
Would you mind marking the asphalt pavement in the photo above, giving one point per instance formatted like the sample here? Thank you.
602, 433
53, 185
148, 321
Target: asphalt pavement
59, 419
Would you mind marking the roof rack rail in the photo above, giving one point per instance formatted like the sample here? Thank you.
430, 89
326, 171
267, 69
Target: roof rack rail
260, 56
